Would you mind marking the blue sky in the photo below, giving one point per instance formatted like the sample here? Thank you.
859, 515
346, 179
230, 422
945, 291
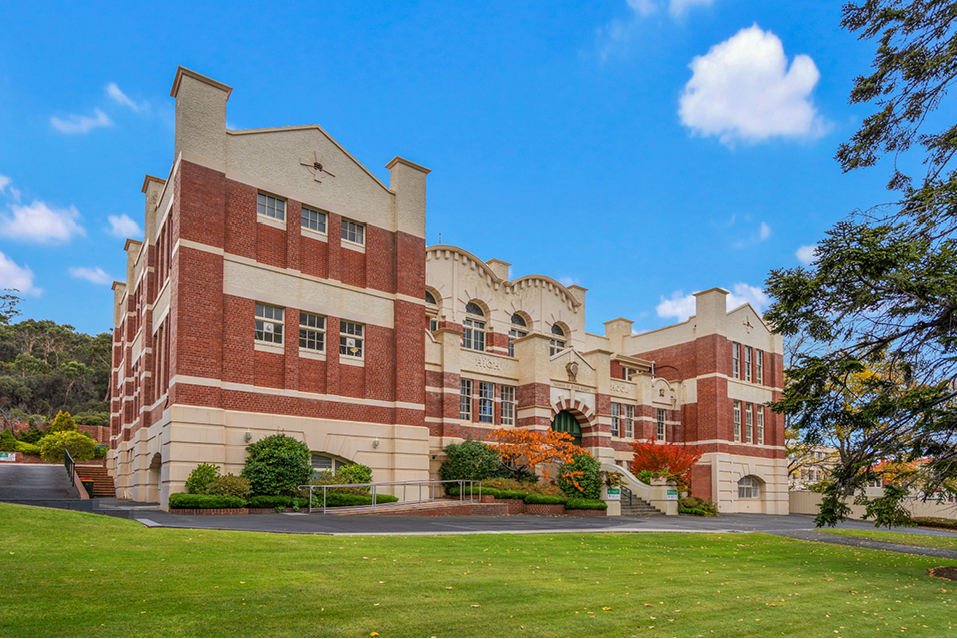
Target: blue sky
644, 149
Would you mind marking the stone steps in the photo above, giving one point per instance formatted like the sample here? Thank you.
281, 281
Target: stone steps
632, 506
102, 482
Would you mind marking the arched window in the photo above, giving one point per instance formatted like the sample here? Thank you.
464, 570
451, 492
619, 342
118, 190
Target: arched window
556, 345
431, 311
749, 488
565, 422
516, 331
473, 329
430, 299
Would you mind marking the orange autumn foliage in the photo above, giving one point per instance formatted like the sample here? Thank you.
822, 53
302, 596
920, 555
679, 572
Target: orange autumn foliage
667, 459
526, 449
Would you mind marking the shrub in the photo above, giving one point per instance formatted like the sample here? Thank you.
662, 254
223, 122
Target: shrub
80, 446
705, 506
100, 451
200, 478
270, 501
31, 435
545, 499
277, 465
62, 422
346, 499
8, 443
351, 474
585, 504
92, 418
27, 448
666, 460
229, 486
935, 522
356, 474
528, 488
187, 500
579, 478
471, 460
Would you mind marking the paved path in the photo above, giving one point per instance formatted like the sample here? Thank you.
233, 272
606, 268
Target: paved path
35, 481
813, 535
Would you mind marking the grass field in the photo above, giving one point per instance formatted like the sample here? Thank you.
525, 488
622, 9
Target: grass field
75, 574
947, 543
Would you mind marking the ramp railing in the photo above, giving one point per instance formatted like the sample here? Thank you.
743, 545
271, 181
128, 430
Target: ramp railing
420, 491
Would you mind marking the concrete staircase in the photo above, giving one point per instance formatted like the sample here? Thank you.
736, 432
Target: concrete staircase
634, 506
102, 482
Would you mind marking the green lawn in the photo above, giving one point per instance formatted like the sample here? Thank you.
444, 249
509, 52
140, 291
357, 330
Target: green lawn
947, 543
75, 574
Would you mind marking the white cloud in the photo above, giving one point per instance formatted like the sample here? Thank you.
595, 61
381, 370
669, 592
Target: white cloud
95, 274
114, 92
15, 276
123, 226
617, 35
568, 281
643, 7
764, 233
680, 7
681, 306
742, 89
806, 254
80, 123
4, 182
40, 223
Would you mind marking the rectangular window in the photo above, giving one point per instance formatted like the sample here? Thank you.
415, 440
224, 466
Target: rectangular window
350, 338
352, 232
514, 334
626, 373
737, 421
628, 420
486, 397
314, 220
312, 332
270, 206
748, 422
433, 324
269, 323
736, 360
555, 346
615, 420
473, 334
661, 425
759, 366
508, 405
747, 363
760, 418
465, 400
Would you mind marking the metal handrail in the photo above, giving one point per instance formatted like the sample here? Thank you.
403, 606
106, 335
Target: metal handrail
69, 464
420, 483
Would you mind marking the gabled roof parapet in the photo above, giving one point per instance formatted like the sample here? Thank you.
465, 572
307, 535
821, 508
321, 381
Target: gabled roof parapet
183, 71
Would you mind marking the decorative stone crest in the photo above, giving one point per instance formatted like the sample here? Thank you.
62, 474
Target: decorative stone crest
315, 164
572, 369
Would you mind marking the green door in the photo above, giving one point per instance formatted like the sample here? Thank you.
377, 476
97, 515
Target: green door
565, 422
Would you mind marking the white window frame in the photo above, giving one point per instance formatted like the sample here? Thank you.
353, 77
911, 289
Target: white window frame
737, 420
748, 422
314, 332
508, 405
758, 366
354, 331
748, 357
473, 331
749, 488
486, 400
356, 229
661, 431
268, 324
615, 419
432, 312
736, 360
556, 345
760, 423
628, 421
271, 206
515, 333
465, 400
321, 221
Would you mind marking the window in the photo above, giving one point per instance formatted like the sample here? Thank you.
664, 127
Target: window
432, 311
661, 425
736, 360
628, 420
748, 488
473, 330
508, 405
737, 421
352, 232
271, 207
747, 363
748, 422
465, 400
615, 420
312, 331
350, 338
486, 397
314, 220
760, 423
327, 463
269, 323
517, 330
626, 373
556, 345
758, 366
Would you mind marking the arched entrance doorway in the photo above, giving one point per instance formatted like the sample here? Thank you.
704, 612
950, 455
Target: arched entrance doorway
565, 422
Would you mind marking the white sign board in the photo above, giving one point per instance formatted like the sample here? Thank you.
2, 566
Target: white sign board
11, 457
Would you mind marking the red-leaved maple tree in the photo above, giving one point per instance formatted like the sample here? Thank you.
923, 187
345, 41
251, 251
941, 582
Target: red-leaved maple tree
669, 460
525, 449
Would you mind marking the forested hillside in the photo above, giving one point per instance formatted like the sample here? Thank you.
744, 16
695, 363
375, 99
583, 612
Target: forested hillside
46, 367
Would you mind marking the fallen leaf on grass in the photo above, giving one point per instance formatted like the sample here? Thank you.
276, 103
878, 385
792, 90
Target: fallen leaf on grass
373, 634
606, 608
476, 606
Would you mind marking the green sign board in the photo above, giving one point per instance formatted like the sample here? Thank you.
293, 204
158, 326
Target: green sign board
614, 494
672, 494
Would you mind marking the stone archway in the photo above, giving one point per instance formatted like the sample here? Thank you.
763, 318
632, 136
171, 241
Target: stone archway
565, 422
154, 476
581, 413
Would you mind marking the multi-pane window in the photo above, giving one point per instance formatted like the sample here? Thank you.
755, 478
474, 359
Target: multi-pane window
748, 422
269, 323
352, 232
615, 420
270, 206
747, 363
626, 373
486, 398
760, 424
508, 405
628, 420
473, 330
737, 420
556, 345
736, 360
759, 366
748, 488
312, 332
465, 400
660, 435
312, 219
350, 338
518, 329
432, 311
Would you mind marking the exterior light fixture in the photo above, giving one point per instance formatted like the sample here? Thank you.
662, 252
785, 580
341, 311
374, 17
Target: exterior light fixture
248, 435
375, 443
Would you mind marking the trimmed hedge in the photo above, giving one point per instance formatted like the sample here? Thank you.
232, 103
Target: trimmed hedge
544, 499
271, 501
585, 504
27, 448
345, 499
935, 522
187, 500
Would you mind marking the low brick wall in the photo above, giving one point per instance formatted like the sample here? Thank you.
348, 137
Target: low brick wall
212, 511
25, 458
545, 509
587, 513
463, 510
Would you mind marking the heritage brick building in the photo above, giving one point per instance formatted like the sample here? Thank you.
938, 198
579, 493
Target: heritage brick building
282, 287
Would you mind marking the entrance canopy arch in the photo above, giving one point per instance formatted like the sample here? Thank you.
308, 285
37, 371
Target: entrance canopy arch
566, 422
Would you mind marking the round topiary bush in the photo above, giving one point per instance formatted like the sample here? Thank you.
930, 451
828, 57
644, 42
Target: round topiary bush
579, 478
80, 446
229, 486
276, 465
